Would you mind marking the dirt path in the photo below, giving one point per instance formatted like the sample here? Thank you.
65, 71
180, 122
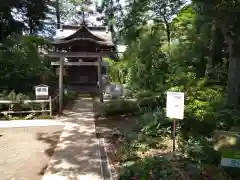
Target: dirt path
111, 129
77, 155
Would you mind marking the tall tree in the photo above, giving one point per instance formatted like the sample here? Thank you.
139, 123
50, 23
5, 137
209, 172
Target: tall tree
111, 12
225, 14
162, 11
133, 21
22, 15
33, 12
75, 11
58, 14
159, 11
8, 23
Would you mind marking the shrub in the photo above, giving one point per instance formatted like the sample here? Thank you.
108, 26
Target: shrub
143, 94
154, 168
200, 150
119, 107
202, 106
151, 102
154, 124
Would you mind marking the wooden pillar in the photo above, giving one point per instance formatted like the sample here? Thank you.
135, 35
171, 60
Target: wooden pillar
100, 79
50, 105
61, 86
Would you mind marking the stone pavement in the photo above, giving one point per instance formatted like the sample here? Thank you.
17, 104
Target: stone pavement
77, 155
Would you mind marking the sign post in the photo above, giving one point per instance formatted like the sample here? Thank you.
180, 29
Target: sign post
174, 134
41, 92
175, 110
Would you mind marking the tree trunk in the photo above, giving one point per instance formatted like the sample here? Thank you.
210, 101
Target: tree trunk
31, 28
217, 45
201, 66
2, 27
168, 31
208, 51
168, 34
233, 68
58, 14
234, 80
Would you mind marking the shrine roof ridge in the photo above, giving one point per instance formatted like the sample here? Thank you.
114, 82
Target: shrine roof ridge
91, 28
68, 32
107, 43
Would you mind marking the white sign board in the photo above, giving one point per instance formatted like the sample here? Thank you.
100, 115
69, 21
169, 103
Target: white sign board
41, 91
231, 158
230, 162
175, 105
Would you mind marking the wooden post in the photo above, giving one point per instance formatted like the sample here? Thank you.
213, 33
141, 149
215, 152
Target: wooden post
50, 105
61, 86
174, 135
100, 79
42, 106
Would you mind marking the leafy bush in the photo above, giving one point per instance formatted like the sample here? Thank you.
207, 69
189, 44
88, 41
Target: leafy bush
200, 150
127, 93
154, 124
154, 168
28, 117
226, 116
201, 108
151, 102
23, 68
119, 107
143, 94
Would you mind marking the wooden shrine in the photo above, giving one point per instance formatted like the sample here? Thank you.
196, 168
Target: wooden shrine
78, 53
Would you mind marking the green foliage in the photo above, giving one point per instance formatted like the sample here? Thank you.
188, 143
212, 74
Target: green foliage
151, 102
116, 70
153, 168
143, 94
147, 64
155, 124
111, 15
195, 53
22, 64
119, 107
200, 150
28, 117
19, 16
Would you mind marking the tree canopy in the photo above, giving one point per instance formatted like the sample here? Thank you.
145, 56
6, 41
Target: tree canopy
172, 45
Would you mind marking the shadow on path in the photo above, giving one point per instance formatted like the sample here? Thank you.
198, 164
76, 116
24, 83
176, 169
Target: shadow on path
77, 153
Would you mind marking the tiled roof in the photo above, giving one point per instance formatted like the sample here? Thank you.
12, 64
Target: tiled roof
99, 32
61, 41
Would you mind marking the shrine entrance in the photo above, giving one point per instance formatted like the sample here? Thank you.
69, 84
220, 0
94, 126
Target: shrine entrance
78, 54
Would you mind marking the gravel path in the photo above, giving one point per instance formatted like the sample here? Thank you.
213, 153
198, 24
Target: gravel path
25, 151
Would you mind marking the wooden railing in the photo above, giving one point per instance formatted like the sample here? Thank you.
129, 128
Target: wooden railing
52, 104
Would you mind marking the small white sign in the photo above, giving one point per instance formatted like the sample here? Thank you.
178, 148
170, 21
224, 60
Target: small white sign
231, 158
175, 105
230, 162
41, 91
